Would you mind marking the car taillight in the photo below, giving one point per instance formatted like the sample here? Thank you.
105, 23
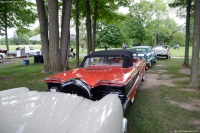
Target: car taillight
53, 80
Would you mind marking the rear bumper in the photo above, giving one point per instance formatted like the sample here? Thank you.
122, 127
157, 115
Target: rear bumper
162, 55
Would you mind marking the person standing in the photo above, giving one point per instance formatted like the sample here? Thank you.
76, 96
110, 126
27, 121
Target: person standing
83, 47
106, 47
124, 46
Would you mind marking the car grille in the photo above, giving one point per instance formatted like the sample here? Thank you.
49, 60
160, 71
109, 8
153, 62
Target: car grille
101, 91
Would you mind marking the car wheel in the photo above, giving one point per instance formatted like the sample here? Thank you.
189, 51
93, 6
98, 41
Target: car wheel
155, 61
149, 65
73, 55
127, 104
1, 58
167, 57
143, 78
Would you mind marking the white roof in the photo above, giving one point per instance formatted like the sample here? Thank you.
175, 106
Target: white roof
38, 38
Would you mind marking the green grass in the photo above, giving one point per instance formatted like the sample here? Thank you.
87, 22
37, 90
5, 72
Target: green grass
180, 51
17, 75
152, 111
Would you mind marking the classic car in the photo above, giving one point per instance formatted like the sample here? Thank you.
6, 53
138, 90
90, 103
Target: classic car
146, 52
163, 51
28, 51
102, 73
2, 55
24, 111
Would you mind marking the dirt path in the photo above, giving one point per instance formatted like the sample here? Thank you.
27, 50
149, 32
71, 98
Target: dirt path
156, 78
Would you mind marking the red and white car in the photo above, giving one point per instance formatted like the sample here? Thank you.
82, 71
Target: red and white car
102, 73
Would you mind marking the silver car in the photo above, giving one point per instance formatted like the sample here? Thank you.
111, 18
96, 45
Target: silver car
24, 111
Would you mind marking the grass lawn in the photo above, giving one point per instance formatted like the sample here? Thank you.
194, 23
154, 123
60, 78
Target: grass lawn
158, 109
166, 108
180, 51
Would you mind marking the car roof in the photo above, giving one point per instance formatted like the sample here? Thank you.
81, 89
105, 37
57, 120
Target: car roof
112, 53
125, 54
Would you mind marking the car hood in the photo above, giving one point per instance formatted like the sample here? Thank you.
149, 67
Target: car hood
94, 75
53, 112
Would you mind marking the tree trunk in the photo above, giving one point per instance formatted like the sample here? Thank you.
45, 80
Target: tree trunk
87, 38
6, 25
187, 36
194, 80
65, 33
88, 26
43, 33
94, 25
54, 54
77, 33
156, 35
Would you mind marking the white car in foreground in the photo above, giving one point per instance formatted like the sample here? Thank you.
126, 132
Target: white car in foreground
2, 56
163, 51
24, 111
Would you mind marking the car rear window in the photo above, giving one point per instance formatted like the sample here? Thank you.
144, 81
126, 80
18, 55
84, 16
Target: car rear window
103, 61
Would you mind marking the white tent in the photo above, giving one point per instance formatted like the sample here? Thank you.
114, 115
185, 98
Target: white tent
38, 38
35, 38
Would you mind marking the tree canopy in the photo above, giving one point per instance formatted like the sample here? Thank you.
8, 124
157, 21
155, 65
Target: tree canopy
18, 14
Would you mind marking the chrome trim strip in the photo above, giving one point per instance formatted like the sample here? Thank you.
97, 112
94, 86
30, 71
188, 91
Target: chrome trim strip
134, 84
124, 125
80, 82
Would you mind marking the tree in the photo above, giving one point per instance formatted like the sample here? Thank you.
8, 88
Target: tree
194, 80
77, 33
187, 35
140, 15
98, 11
94, 25
111, 35
65, 34
44, 34
54, 53
15, 14
178, 38
54, 49
185, 4
148, 23
159, 14
88, 27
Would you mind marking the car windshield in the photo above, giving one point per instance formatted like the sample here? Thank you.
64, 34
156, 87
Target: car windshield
141, 50
160, 47
103, 61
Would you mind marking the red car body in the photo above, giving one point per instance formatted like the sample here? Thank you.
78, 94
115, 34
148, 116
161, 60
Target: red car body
104, 75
